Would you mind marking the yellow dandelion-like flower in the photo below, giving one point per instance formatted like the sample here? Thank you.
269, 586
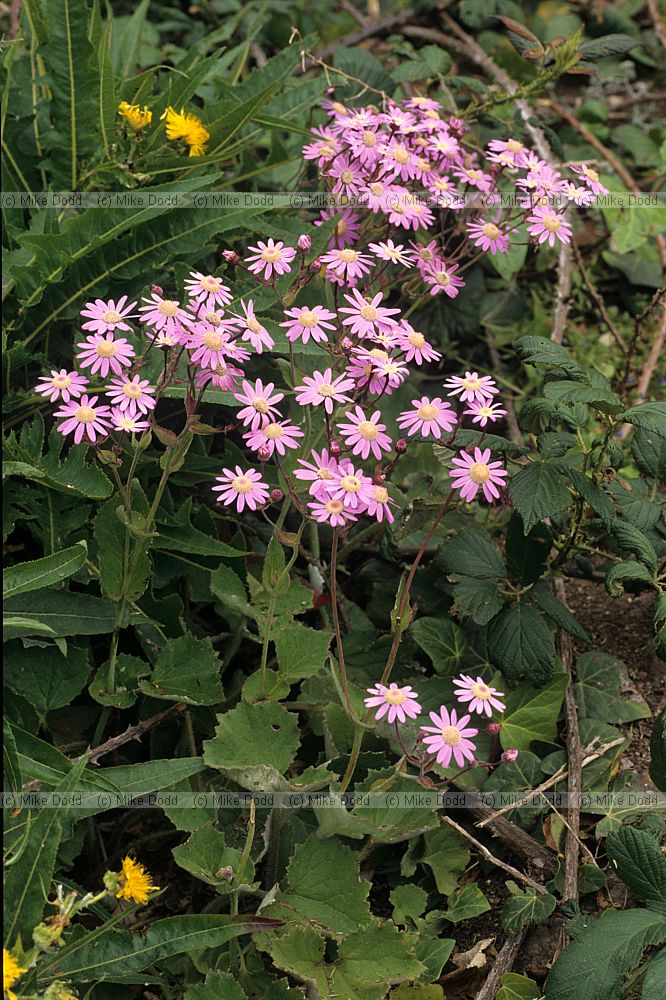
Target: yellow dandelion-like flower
182, 125
136, 884
136, 117
11, 971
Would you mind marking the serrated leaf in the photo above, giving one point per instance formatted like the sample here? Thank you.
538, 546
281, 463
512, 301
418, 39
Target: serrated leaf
653, 983
187, 669
633, 540
442, 640
528, 907
471, 553
120, 576
608, 45
641, 865
250, 738
626, 571
476, 599
538, 491
538, 351
649, 417
558, 612
593, 494
206, 856
658, 752
218, 986
532, 713
301, 651
447, 857
27, 576
521, 645
649, 452
45, 677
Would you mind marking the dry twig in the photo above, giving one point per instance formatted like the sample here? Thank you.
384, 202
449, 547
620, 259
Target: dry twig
482, 849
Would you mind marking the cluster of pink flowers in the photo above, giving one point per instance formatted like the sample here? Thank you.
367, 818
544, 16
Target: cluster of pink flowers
449, 736
406, 163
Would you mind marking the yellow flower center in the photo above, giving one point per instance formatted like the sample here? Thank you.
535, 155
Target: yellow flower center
427, 412
451, 736
324, 474
220, 370
416, 339
348, 256
105, 349
442, 278
253, 325
471, 383
168, 307
339, 109
61, 382
85, 414
346, 176
390, 368
111, 316
551, 223
381, 494
328, 149
400, 154
369, 313
481, 691
431, 113
273, 431
474, 175
485, 411
260, 405
213, 318
379, 354
513, 146
490, 230
377, 189
351, 484
479, 472
394, 696
425, 254
368, 430
210, 283
307, 318
341, 227
326, 389
270, 255
334, 506
132, 390
592, 174
212, 340
422, 163
242, 484
369, 139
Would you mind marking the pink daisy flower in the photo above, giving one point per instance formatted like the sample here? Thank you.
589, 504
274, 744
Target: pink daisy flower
398, 160
379, 504
347, 228
348, 178
482, 411
548, 225
308, 321
221, 377
388, 251
209, 345
472, 388
511, 148
543, 180
367, 317
488, 236
443, 145
253, 330
319, 473
392, 370
481, 697
442, 278
396, 703
323, 388
258, 404
365, 435
580, 196
104, 353
401, 208
165, 315
590, 177
475, 178
449, 737
131, 395
347, 263
351, 486
84, 418
207, 291
269, 257
374, 196
331, 512
126, 422
474, 471
323, 148
365, 145
274, 436
429, 416
425, 255
244, 488
63, 384
415, 346
105, 317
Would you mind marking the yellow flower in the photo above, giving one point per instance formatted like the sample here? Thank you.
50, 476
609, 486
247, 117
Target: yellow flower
136, 883
181, 125
136, 117
11, 971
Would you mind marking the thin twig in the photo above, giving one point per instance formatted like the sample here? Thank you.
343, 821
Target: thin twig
574, 754
482, 849
601, 305
504, 963
657, 21
132, 733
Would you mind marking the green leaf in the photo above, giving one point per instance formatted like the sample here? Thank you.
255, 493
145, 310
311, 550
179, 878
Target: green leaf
526, 907
538, 491
653, 983
11, 766
543, 597
112, 543
625, 571
641, 865
476, 599
526, 554
658, 752
218, 986
608, 45
508, 263
28, 879
597, 690
126, 687
206, 856
592, 965
446, 856
466, 903
179, 535
301, 651
254, 742
515, 987
187, 669
73, 476
472, 554
633, 540
649, 451
540, 352
520, 644
532, 713
230, 590
45, 677
593, 494
64, 612
648, 416
442, 640
101, 956
409, 902
44, 572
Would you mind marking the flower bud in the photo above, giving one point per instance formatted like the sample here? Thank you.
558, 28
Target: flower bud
304, 243
225, 873
276, 495
156, 290
264, 453
316, 265
400, 446
510, 755
457, 126
379, 479
346, 344
231, 256
335, 449
493, 728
